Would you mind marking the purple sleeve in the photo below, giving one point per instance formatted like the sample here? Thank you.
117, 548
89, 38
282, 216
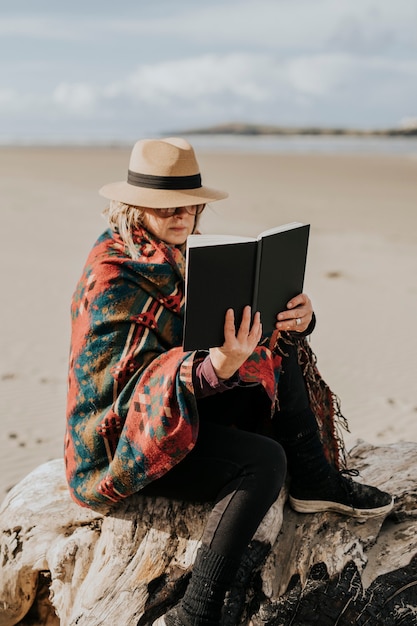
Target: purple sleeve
206, 381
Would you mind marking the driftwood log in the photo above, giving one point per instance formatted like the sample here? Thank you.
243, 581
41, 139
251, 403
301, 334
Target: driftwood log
62, 564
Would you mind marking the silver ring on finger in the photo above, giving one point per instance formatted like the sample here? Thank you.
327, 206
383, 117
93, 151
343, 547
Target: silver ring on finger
297, 321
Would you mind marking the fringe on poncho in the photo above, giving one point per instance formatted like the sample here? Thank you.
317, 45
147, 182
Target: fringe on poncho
132, 413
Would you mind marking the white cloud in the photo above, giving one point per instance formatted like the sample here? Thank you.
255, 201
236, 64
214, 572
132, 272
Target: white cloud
8, 98
285, 25
78, 98
259, 78
319, 75
39, 27
14, 103
190, 80
275, 24
251, 86
345, 62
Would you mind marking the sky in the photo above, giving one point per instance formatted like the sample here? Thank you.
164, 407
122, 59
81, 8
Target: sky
90, 70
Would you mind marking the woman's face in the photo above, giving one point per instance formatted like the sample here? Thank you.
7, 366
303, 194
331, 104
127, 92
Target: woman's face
174, 230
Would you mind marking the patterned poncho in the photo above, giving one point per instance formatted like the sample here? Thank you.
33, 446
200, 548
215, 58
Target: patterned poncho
132, 412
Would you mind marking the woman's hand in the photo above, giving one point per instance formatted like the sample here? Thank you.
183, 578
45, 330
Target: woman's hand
298, 315
238, 346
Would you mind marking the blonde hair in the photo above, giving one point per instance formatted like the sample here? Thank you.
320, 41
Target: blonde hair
124, 219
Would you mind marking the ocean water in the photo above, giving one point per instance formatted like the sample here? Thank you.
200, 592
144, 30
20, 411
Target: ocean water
261, 144
306, 144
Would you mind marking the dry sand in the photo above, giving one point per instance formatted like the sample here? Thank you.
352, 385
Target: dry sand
361, 277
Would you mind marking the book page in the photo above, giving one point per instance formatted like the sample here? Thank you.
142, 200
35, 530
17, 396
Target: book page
195, 241
279, 229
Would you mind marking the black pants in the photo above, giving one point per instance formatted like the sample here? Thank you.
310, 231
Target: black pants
240, 469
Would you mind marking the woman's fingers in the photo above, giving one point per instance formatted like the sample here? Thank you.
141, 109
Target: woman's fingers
301, 300
297, 323
247, 336
249, 332
297, 316
245, 324
229, 325
256, 329
238, 346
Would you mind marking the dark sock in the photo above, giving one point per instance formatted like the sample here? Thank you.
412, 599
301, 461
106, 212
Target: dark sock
211, 577
172, 618
299, 436
252, 559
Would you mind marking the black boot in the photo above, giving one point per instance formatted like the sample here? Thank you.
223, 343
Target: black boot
316, 485
340, 494
298, 435
203, 600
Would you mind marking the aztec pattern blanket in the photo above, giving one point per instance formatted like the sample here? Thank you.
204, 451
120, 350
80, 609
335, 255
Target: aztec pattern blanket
132, 412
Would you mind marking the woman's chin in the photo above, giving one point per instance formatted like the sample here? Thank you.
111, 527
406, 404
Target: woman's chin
177, 238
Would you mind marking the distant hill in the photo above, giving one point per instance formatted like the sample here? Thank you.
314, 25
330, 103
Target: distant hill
261, 129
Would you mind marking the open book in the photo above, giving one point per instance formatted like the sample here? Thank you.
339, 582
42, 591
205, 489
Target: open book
230, 272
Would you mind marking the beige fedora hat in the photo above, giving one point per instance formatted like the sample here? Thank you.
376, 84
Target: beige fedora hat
162, 173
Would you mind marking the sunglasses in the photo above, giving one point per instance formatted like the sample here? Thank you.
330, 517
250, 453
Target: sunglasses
194, 209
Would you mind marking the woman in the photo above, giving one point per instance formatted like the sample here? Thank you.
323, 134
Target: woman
144, 415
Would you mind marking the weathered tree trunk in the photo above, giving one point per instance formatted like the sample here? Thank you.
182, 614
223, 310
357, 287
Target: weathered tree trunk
63, 564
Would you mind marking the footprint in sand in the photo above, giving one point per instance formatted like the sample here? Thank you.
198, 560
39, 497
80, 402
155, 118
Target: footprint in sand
21, 444
8, 376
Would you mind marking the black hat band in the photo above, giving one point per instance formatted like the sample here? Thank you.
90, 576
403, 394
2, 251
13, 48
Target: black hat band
163, 182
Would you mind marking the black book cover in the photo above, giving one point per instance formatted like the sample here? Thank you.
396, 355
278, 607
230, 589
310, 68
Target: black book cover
219, 277
281, 272
225, 273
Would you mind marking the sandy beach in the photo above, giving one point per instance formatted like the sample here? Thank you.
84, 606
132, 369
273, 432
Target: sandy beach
361, 276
